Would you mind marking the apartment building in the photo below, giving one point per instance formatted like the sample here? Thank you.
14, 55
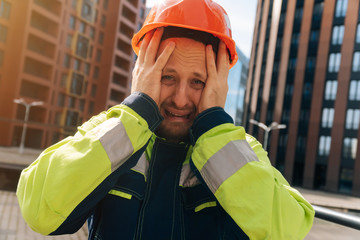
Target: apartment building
74, 56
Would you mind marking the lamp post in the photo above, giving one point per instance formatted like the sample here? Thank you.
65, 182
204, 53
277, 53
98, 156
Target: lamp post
27, 110
272, 126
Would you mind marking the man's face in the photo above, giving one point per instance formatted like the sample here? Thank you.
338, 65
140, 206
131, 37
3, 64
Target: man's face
182, 82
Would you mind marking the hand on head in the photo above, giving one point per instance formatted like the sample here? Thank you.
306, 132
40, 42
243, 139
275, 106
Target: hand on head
216, 88
148, 69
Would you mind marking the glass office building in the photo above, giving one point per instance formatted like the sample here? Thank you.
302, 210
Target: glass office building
304, 72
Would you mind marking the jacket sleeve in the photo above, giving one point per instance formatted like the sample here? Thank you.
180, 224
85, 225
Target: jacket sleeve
59, 190
237, 170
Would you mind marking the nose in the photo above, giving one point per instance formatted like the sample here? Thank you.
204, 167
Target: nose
181, 98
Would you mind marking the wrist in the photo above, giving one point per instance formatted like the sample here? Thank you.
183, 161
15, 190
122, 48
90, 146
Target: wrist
146, 107
207, 120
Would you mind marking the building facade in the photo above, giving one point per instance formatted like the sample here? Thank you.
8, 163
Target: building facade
73, 55
237, 78
304, 72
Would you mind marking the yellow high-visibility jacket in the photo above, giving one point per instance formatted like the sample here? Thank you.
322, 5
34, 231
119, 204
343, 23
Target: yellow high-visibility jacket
130, 184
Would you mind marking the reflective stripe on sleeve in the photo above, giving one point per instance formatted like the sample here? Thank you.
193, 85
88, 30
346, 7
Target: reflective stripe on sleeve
226, 162
115, 141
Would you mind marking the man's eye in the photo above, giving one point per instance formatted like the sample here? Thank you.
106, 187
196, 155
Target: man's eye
198, 84
167, 79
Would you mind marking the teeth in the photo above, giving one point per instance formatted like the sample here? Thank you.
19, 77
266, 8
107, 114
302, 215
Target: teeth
176, 115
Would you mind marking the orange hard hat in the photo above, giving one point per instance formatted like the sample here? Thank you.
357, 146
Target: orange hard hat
201, 15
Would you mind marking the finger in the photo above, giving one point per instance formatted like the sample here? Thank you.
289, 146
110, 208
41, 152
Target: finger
210, 63
154, 45
223, 63
144, 46
165, 55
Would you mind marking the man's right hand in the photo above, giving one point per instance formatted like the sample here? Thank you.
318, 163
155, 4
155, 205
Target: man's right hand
148, 68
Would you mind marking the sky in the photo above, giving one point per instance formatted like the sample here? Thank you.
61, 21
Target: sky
242, 17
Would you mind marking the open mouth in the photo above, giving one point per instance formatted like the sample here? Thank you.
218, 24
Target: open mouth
171, 114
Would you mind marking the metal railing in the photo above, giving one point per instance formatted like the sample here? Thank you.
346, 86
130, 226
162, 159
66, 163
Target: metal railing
344, 219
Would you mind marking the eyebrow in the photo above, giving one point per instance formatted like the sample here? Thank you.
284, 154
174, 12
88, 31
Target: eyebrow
197, 74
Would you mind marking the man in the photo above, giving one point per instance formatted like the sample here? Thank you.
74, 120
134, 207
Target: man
167, 163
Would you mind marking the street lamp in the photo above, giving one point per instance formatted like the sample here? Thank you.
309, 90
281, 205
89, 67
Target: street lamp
273, 126
27, 110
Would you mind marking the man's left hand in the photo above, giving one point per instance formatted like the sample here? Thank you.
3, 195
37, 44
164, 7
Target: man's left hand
215, 91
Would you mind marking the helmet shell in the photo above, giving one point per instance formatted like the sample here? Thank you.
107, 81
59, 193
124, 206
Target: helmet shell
201, 15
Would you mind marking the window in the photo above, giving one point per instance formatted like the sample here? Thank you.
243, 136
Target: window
74, 4
92, 32
72, 22
358, 34
327, 118
292, 64
71, 102
298, 14
71, 118
91, 108
98, 55
289, 90
3, 33
352, 119
1, 58
96, 73
295, 38
93, 90
77, 64
318, 9
67, 60
87, 69
87, 11
356, 62
314, 36
77, 82
82, 27
103, 20
346, 180
82, 46
61, 100
354, 90
341, 7
69, 40
310, 64
142, 13
331, 89
304, 115
338, 35
5, 9
285, 115
349, 148
106, 4
324, 145
81, 105
334, 62
101, 37
139, 26
63, 80
307, 90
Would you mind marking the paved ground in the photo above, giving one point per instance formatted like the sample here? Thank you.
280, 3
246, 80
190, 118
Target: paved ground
13, 227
